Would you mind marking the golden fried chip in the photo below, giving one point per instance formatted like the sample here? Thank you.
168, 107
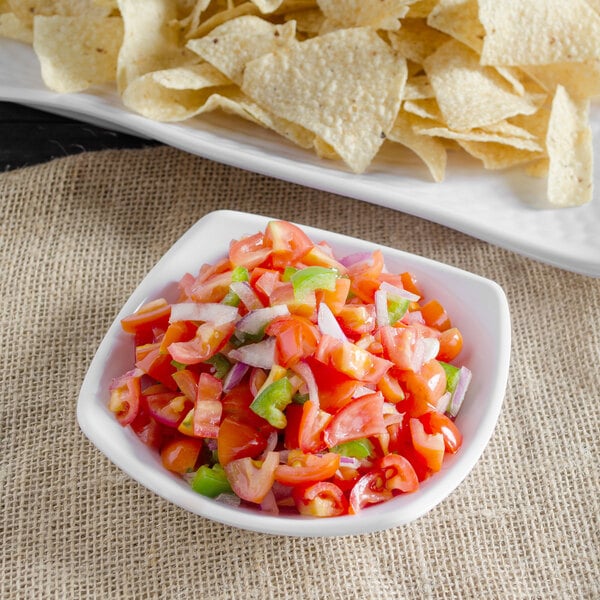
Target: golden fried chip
468, 94
416, 41
152, 40
538, 32
421, 8
12, 27
232, 45
267, 6
496, 156
191, 77
77, 52
26, 10
569, 144
309, 20
204, 28
378, 14
581, 80
426, 108
418, 88
345, 86
430, 150
460, 20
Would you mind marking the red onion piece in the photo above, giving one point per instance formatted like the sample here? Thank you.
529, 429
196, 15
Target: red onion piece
464, 379
207, 311
269, 504
381, 308
307, 375
280, 491
246, 294
357, 257
234, 376
349, 461
400, 292
211, 444
121, 380
328, 323
271, 445
260, 355
257, 320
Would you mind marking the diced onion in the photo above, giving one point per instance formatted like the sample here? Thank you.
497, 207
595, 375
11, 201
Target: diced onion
269, 504
307, 375
411, 318
400, 292
246, 294
229, 499
261, 354
361, 390
357, 257
349, 461
381, 308
464, 379
443, 404
208, 311
431, 349
328, 323
271, 445
234, 376
257, 320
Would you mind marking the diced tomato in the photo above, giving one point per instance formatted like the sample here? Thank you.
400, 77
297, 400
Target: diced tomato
151, 316
187, 382
168, 408
214, 289
435, 315
208, 407
451, 343
249, 252
390, 387
209, 339
296, 338
430, 446
317, 256
289, 243
400, 346
236, 404
181, 455
424, 387
293, 415
125, 398
358, 363
363, 417
238, 440
312, 427
369, 489
335, 299
307, 468
399, 473
252, 480
435, 422
323, 499
410, 284
159, 367
335, 388
357, 319
181, 331
284, 294
148, 429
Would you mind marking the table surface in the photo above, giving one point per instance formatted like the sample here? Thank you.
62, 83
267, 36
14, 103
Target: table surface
31, 137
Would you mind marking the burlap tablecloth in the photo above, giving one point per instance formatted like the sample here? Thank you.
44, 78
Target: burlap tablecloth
78, 234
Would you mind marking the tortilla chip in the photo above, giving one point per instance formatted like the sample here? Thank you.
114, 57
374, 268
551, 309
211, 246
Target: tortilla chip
324, 150
267, 6
496, 156
430, 150
460, 20
538, 168
345, 87
152, 42
307, 21
538, 32
26, 10
247, 8
192, 77
569, 143
378, 14
77, 52
12, 27
421, 9
427, 108
232, 45
581, 80
468, 94
416, 41
418, 88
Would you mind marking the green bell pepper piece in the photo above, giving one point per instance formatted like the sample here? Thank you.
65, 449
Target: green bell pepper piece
397, 308
238, 274
220, 364
360, 448
211, 482
451, 376
271, 401
287, 273
310, 279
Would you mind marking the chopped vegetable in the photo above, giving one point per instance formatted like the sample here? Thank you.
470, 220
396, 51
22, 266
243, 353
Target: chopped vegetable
289, 379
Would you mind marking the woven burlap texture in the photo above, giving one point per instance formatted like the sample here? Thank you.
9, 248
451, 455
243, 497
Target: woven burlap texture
77, 236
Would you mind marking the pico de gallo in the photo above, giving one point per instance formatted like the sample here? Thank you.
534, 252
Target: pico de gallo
290, 379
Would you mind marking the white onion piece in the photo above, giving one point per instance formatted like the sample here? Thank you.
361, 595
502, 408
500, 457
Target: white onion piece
381, 308
400, 292
246, 294
349, 461
389, 409
256, 320
361, 390
464, 379
443, 404
328, 323
432, 349
418, 355
283, 457
260, 355
309, 379
393, 418
357, 257
411, 318
207, 311
234, 376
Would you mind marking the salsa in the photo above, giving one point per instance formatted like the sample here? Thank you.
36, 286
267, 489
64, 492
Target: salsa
291, 379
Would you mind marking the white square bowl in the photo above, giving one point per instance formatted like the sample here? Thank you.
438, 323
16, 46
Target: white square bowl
477, 306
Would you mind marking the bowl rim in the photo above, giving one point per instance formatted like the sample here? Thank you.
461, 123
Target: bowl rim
93, 417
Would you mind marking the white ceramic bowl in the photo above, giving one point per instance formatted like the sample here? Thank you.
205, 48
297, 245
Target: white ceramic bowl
476, 305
